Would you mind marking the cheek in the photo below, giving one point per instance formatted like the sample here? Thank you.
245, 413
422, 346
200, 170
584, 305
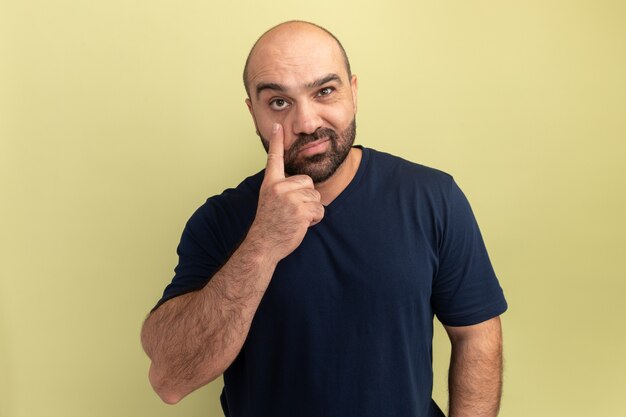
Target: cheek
266, 120
265, 132
342, 117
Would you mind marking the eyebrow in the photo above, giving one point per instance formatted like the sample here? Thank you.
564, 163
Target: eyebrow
317, 83
326, 79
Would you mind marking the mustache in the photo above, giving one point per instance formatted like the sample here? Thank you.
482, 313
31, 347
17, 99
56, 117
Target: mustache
304, 138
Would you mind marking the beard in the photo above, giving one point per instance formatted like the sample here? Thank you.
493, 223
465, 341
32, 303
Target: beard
322, 166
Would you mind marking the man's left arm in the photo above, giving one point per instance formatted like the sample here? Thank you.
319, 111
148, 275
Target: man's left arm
475, 376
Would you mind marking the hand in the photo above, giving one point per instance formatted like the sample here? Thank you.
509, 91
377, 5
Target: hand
287, 207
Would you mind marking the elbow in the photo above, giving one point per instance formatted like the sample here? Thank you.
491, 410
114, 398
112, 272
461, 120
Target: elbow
170, 391
165, 390
169, 398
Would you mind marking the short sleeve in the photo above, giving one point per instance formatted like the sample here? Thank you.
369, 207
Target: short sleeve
465, 289
199, 254
211, 235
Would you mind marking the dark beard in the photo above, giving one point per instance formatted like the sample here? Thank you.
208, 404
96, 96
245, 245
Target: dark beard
319, 167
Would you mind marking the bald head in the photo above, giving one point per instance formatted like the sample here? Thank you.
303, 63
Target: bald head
277, 38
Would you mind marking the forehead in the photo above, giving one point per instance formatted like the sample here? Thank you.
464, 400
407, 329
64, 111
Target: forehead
295, 58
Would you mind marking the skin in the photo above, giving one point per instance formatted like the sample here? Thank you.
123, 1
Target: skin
296, 57
298, 85
475, 374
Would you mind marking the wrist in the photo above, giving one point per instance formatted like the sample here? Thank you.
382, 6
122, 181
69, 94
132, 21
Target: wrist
260, 248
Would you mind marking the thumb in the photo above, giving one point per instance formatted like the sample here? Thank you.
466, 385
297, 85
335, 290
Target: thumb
275, 167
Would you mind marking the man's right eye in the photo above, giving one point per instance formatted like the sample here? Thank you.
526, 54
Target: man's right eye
278, 104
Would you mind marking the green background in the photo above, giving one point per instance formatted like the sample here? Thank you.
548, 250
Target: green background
119, 118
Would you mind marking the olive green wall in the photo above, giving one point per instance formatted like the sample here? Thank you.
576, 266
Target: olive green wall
117, 119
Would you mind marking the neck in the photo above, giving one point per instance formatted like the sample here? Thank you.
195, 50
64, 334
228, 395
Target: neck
338, 182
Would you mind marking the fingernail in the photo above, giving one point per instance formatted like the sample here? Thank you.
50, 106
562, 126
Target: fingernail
275, 127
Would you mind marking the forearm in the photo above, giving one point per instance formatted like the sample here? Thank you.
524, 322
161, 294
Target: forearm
193, 338
475, 376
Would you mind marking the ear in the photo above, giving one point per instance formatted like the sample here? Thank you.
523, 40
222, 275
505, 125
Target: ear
251, 110
355, 87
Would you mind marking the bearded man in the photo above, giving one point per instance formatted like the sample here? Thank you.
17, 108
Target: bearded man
312, 286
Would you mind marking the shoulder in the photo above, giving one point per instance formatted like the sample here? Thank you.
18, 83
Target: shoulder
247, 191
392, 169
233, 205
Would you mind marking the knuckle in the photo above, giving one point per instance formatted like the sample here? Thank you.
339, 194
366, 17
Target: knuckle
312, 195
274, 190
304, 180
302, 211
308, 195
321, 211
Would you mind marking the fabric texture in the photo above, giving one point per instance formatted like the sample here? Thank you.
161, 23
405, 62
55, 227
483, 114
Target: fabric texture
345, 327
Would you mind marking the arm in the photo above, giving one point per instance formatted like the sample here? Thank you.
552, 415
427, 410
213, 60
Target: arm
193, 338
475, 376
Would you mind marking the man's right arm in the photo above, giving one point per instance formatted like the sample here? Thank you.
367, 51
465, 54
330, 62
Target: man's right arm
193, 338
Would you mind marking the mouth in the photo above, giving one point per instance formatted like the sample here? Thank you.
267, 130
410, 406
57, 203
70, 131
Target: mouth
314, 147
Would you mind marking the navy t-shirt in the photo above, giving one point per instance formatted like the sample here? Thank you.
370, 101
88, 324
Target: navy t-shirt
345, 327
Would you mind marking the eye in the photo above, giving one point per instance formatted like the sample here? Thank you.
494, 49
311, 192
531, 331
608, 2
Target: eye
325, 91
278, 104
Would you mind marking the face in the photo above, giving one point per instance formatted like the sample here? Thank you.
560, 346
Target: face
300, 81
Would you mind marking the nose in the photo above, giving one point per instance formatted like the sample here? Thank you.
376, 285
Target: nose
306, 118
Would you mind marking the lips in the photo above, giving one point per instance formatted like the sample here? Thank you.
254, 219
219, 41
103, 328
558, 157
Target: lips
314, 144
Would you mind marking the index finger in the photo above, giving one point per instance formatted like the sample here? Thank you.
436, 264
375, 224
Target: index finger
275, 168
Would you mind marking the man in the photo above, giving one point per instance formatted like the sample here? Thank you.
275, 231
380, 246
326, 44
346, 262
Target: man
312, 285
